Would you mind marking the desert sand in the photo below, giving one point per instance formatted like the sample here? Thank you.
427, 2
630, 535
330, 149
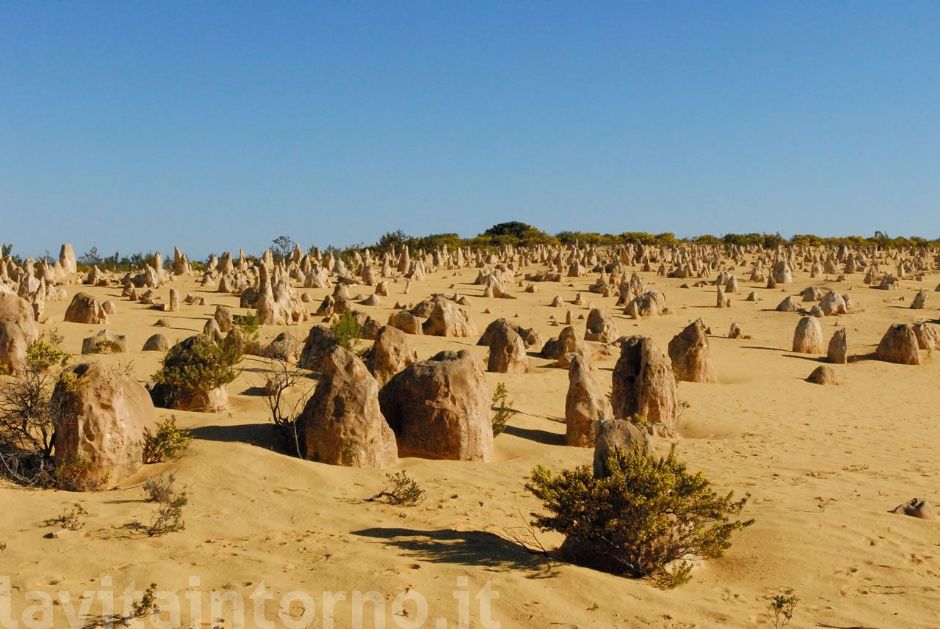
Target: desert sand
823, 465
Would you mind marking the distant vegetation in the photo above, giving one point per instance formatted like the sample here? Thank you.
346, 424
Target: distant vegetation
511, 233
515, 233
118, 262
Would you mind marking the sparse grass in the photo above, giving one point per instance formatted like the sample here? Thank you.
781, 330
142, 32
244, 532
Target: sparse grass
646, 518
169, 442
73, 520
502, 409
402, 490
683, 406
125, 368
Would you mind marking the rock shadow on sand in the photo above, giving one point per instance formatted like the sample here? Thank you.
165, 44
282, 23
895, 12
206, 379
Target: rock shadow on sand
469, 548
262, 435
534, 434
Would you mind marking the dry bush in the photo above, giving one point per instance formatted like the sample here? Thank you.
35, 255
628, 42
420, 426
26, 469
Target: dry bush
160, 488
169, 516
73, 520
402, 490
282, 379
245, 336
27, 415
147, 605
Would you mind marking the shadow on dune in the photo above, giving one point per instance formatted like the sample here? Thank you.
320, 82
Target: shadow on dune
263, 435
539, 436
551, 418
471, 548
810, 357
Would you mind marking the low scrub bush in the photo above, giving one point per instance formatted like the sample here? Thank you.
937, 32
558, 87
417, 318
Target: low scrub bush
193, 368
72, 474
646, 518
346, 329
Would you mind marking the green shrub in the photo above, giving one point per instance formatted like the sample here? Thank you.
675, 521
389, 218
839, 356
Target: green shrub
646, 518
249, 324
195, 367
46, 352
169, 442
346, 329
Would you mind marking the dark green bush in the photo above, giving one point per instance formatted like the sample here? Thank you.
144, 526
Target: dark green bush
346, 329
645, 519
193, 368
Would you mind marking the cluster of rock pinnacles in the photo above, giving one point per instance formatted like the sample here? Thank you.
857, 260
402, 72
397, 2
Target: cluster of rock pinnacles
368, 410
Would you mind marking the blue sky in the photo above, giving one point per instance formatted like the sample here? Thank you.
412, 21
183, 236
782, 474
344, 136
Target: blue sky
213, 125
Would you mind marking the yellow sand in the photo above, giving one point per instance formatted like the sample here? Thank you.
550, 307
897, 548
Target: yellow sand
823, 466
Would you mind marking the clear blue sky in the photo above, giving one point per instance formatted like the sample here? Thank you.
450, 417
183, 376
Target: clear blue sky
213, 125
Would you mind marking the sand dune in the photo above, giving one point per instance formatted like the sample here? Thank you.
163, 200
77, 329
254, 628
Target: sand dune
823, 466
